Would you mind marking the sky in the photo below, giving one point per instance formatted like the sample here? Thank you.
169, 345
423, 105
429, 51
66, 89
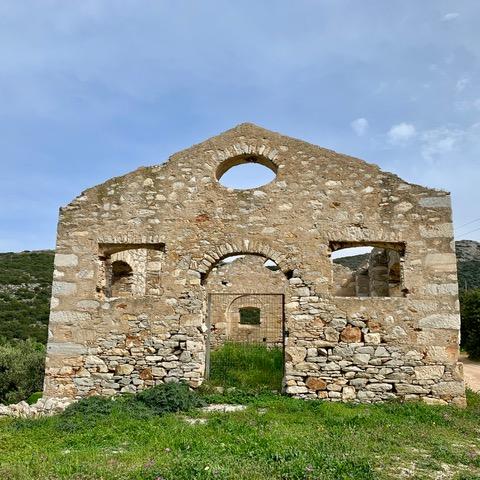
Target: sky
93, 89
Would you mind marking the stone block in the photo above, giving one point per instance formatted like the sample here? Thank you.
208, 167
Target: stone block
158, 372
63, 260
348, 393
63, 288
331, 335
441, 262
439, 320
361, 358
405, 389
124, 369
294, 390
351, 334
373, 338
435, 202
453, 389
72, 318
433, 401
429, 372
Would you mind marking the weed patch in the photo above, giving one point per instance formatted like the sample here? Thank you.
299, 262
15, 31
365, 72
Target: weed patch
245, 366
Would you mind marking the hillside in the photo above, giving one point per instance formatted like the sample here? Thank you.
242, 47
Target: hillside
468, 258
25, 286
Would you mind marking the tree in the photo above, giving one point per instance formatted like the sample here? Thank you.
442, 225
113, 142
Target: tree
470, 312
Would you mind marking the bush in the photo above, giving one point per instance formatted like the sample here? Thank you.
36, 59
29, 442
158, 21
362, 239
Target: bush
155, 401
90, 407
470, 311
22, 367
34, 398
169, 397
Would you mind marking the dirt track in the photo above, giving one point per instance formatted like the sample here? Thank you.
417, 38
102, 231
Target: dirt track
472, 373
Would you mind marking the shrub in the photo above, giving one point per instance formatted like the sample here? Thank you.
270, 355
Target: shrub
90, 407
470, 311
169, 397
21, 370
87, 411
34, 398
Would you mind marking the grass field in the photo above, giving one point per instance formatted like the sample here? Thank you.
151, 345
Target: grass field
276, 437
247, 366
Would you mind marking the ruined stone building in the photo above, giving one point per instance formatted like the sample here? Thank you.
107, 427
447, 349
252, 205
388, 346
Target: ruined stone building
141, 291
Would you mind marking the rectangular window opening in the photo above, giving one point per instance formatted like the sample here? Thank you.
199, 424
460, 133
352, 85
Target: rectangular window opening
368, 269
129, 270
249, 316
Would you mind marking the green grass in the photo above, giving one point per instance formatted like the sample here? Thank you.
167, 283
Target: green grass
246, 366
274, 438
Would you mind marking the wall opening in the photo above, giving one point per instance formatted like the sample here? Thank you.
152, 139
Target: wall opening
246, 172
129, 270
249, 316
368, 269
245, 344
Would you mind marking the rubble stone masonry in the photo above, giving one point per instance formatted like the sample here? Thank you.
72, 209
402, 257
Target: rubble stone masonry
133, 258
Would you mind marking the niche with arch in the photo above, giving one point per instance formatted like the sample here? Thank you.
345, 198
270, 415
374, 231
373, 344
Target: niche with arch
121, 279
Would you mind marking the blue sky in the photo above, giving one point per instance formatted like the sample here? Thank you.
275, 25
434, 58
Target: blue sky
96, 88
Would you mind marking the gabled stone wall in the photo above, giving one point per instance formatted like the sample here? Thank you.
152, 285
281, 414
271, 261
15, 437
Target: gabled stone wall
339, 348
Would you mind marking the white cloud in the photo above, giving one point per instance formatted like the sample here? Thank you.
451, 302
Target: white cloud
439, 141
450, 16
451, 140
462, 83
401, 133
360, 126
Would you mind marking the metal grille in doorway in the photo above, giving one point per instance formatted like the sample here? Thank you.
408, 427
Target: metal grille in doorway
246, 337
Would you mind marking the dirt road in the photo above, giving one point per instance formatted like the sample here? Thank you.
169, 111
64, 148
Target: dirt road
471, 371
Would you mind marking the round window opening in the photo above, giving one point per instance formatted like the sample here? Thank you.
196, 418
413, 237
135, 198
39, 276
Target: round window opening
246, 171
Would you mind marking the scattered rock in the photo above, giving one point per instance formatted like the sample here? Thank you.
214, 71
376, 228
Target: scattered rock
44, 406
223, 408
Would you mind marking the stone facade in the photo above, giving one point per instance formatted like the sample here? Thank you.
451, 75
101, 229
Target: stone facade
178, 222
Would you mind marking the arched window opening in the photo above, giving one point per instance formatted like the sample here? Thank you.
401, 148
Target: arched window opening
249, 315
122, 279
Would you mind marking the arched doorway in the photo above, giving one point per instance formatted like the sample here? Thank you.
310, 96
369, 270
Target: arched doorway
245, 321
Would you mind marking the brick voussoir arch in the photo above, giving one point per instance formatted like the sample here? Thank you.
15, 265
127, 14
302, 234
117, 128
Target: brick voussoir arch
243, 247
